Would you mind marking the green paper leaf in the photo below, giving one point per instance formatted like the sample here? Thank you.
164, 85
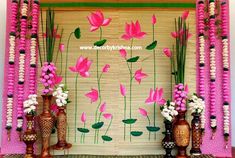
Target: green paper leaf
100, 43
152, 128
77, 33
129, 121
152, 45
136, 133
97, 125
133, 59
83, 130
107, 138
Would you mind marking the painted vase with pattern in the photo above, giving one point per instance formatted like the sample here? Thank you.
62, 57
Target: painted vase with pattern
168, 142
181, 132
61, 130
46, 123
30, 137
196, 134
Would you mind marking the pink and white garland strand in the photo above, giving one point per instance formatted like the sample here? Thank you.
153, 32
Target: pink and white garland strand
33, 47
212, 38
11, 68
226, 67
201, 39
22, 49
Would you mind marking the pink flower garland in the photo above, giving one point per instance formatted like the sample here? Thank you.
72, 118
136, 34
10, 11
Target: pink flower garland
225, 80
180, 96
11, 68
212, 38
201, 39
21, 79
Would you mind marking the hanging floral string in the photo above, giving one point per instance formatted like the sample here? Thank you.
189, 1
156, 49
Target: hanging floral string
22, 51
226, 68
212, 38
201, 40
11, 67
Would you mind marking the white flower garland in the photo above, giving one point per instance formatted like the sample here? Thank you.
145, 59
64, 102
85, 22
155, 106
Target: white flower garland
61, 96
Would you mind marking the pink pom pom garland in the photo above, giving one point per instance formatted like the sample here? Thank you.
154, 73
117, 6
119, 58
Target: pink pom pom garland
226, 67
11, 68
180, 97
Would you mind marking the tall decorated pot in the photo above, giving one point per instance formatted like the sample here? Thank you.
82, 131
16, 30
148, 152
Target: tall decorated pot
30, 137
61, 130
168, 141
46, 123
196, 134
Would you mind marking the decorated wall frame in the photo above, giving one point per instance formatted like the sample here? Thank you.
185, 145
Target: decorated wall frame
72, 14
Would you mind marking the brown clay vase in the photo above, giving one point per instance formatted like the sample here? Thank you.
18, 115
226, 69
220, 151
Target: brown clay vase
181, 133
196, 134
30, 137
168, 141
46, 123
61, 130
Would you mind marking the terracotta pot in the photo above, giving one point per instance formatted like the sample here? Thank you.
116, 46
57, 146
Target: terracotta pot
30, 137
196, 134
168, 141
61, 130
181, 133
46, 123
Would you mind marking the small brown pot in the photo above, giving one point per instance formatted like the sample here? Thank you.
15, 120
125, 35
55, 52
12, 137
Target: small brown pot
61, 130
196, 134
30, 137
46, 123
181, 133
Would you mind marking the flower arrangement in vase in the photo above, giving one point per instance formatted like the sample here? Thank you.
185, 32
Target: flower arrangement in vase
197, 107
168, 111
178, 60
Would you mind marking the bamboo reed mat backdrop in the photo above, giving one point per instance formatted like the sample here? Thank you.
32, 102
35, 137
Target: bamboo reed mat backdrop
118, 73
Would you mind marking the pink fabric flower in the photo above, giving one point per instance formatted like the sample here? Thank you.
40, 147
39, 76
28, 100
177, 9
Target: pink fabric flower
61, 47
139, 75
143, 112
44, 35
186, 89
185, 15
133, 31
96, 20
108, 116
155, 97
103, 107
174, 34
54, 108
154, 20
82, 66
93, 95
123, 53
57, 79
83, 117
167, 52
106, 68
150, 99
123, 90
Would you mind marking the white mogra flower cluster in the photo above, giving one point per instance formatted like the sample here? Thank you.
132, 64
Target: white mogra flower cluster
30, 104
196, 104
61, 95
33, 45
226, 119
168, 111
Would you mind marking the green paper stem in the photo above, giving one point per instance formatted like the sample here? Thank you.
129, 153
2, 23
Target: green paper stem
66, 63
75, 106
124, 117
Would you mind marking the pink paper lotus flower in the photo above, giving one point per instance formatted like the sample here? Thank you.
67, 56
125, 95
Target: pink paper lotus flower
154, 20
185, 15
155, 97
167, 52
61, 47
96, 19
123, 90
123, 53
93, 95
139, 75
108, 116
54, 108
133, 31
143, 112
106, 68
103, 107
83, 117
82, 66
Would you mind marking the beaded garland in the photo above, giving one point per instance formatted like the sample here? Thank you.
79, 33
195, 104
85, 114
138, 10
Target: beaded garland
11, 68
212, 38
201, 39
21, 77
226, 67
